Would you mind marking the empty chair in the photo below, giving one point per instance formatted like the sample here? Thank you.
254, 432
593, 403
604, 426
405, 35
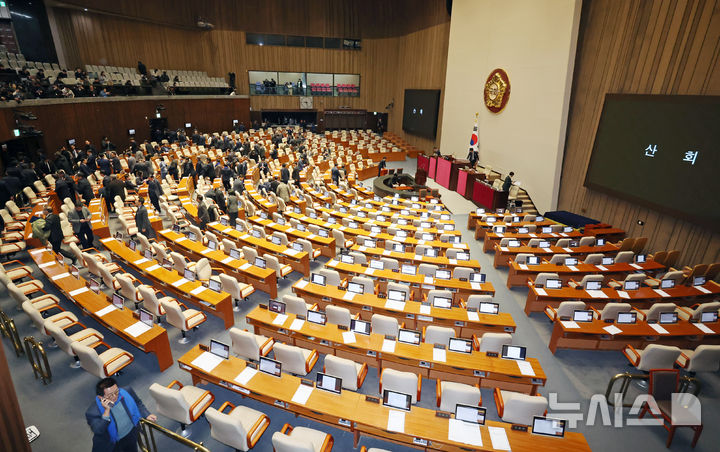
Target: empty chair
307, 247
281, 270
705, 358
639, 245
250, 346
296, 305
492, 342
390, 263
179, 262
561, 243
593, 259
282, 236
695, 312
473, 301
585, 280
179, 316
151, 301
237, 290
184, 405
41, 303
340, 240
435, 293
653, 314
676, 276
385, 325
653, 356
358, 257
241, 428
249, 254
102, 365
16, 273
352, 374
462, 272
87, 336
296, 360
559, 259
401, 288
565, 310
397, 381
517, 408
610, 310
449, 394
127, 288
427, 269
541, 278
367, 283
639, 277
437, 335
587, 241
332, 277
624, 257
301, 439
532, 243
521, 258
63, 319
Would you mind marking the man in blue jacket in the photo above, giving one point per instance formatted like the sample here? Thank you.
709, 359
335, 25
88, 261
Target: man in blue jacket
114, 417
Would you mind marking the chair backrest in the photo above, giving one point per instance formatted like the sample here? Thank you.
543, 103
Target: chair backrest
676, 276
438, 335
663, 383
160, 253
566, 308
594, 258
294, 305
170, 403
144, 242
455, 393
624, 257
398, 381
427, 269
127, 289
462, 272
244, 344
286, 443
106, 276
438, 293
385, 325
473, 301
706, 358
178, 262
35, 316
654, 312
203, 270
249, 254
174, 314
150, 301
705, 307
231, 286
559, 259
672, 258
390, 263
639, 245
291, 357
367, 283
586, 241
541, 278
493, 342
344, 368
656, 356
521, 408
591, 278
61, 338
227, 429
658, 257
332, 277
562, 243
610, 311
89, 359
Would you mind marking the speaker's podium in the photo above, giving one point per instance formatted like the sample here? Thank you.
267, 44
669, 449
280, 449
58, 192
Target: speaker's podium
447, 171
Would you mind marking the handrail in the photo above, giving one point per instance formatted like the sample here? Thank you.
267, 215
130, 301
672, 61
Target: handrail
35, 351
686, 383
7, 329
147, 443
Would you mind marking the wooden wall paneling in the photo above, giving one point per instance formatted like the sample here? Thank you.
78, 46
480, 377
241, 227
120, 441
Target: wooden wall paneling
663, 47
12, 427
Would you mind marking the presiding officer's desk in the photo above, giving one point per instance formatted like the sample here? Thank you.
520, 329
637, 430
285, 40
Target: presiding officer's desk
416, 259
350, 411
598, 335
263, 279
460, 289
325, 244
469, 368
519, 274
642, 298
98, 306
412, 313
216, 303
503, 254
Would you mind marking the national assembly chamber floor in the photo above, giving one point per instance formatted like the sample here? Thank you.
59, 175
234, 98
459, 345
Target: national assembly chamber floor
58, 409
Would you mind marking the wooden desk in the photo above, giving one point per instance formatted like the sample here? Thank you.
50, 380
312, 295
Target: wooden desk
414, 259
413, 314
258, 199
507, 253
642, 298
325, 244
484, 195
410, 228
350, 411
592, 336
469, 368
460, 289
492, 238
519, 274
482, 227
99, 218
153, 341
217, 304
263, 279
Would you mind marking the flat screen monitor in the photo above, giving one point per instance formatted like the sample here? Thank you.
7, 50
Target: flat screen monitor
574, 243
347, 259
176, 228
188, 125
409, 336
355, 287
402, 222
399, 248
328, 383
263, 215
224, 221
235, 253
468, 413
499, 211
425, 224
191, 235
343, 210
376, 264
516, 219
539, 218
490, 219
631, 285
445, 217
317, 317
360, 326
599, 241
260, 262
296, 209
281, 221
477, 278
167, 264
462, 256
352, 225
479, 211
397, 400
431, 252
118, 301
459, 345
489, 308
379, 217
396, 295
133, 245
212, 245
370, 243
323, 233
219, 349
239, 227
548, 426
514, 243
513, 352
699, 280
215, 285
148, 255
442, 274
75, 271
499, 229
523, 230
318, 279
189, 274
313, 215
442, 302
331, 220
608, 260
255, 233
94, 285
401, 234
146, 317
709, 317
544, 244
640, 258
553, 283
276, 306
668, 317
301, 228
567, 229
297, 246
131, 131
627, 318
593, 285
270, 366
408, 269
583, 316
428, 237
667, 283
571, 261
533, 260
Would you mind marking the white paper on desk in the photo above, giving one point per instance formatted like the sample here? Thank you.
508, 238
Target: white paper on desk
245, 236
152, 268
369, 271
704, 328
297, 324
227, 260
280, 319
291, 252
197, 290
602, 267
623, 294
504, 248
563, 234
60, 276
573, 268
164, 231
180, 282
214, 223
396, 421
636, 266
271, 224
206, 251
475, 286
386, 252
290, 229
531, 234
388, 346
395, 305
569, 324
425, 309
373, 234
105, 310
525, 368
105, 240
612, 329
245, 266
473, 316
569, 250
39, 250
523, 266
428, 280
245, 376
348, 337
540, 291
302, 394
498, 438
362, 248
311, 236
658, 328
464, 432
499, 235
348, 295
553, 234
332, 262
439, 354
452, 261
459, 245
596, 293
207, 361
181, 239
661, 292
137, 328
301, 284
46, 264
702, 289
140, 261
78, 291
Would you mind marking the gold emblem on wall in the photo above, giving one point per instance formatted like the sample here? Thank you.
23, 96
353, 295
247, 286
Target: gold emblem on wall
497, 91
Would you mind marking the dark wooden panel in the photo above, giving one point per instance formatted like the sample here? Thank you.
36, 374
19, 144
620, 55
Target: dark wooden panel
12, 427
639, 47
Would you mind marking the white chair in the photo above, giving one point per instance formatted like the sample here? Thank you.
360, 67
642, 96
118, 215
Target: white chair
491, 342
102, 365
449, 394
695, 312
639, 277
281, 270
337, 315
332, 277
611, 310
239, 291
295, 360
586, 279
385, 325
184, 405
653, 314
541, 279
435, 293
405, 382
301, 439
296, 305
250, 346
16, 273
128, 289
182, 318
595, 258
517, 408
437, 335
87, 336
558, 259
654, 356
351, 373
241, 428
564, 310
705, 358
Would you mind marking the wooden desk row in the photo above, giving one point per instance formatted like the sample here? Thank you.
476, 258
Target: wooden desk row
504, 254
218, 304
350, 411
493, 238
410, 228
99, 307
483, 227
413, 313
325, 244
415, 259
519, 274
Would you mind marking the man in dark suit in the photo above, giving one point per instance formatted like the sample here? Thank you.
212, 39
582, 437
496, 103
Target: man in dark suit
84, 188
203, 214
154, 192
142, 221
46, 167
84, 169
115, 162
52, 224
473, 156
64, 187
104, 165
382, 165
335, 174
114, 188
508, 182
284, 174
80, 220
226, 174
